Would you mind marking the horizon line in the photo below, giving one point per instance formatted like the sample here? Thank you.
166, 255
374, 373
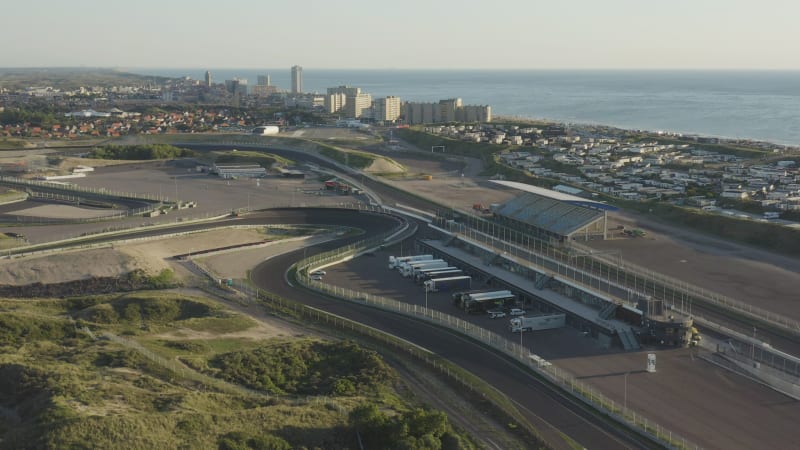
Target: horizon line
441, 69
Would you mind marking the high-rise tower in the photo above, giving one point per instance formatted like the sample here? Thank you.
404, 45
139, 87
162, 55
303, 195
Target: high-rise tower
208, 78
297, 79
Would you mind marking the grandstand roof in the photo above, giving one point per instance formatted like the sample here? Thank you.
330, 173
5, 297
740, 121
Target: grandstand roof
549, 214
560, 196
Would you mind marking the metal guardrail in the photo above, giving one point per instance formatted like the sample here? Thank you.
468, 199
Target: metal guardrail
83, 189
559, 376
644, 281
780, 361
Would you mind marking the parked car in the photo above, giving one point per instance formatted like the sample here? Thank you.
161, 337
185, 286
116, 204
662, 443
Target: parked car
496, 313
517, 312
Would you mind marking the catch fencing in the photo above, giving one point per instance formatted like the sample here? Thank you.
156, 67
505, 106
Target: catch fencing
518, 352
611, 267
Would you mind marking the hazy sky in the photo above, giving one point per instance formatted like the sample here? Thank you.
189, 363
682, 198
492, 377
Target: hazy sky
503, 34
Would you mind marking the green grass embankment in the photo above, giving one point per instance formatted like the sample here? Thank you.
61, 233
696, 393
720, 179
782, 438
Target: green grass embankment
769, 236
59, 388
251, 157
354, 159
139, 152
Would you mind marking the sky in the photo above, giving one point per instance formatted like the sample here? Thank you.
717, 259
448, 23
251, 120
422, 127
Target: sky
410, 34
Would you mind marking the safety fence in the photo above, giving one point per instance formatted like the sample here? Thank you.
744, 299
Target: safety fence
518, 352
614, 275
83, 189
609, 266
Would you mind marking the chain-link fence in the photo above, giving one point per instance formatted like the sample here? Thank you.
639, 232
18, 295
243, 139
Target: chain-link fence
500, 343
591, 266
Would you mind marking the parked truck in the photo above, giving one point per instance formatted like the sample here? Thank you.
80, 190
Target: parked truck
443, 273
424, 271
448, 283
403, 266
538, 322
408, 269
395, 261
484, 301
431, 267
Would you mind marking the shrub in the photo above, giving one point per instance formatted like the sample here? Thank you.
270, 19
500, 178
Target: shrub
305, 368
139, 152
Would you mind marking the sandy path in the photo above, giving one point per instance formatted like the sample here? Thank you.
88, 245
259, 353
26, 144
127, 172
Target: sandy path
149, 256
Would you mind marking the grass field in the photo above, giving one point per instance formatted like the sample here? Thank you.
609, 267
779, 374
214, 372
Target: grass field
193, 375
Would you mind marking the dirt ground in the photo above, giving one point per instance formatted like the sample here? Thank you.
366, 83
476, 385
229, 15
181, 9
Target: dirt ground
65, 212
235, 265
149, 256
706, 404
746, 274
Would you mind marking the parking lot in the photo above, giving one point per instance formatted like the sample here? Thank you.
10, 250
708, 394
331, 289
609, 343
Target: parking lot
371, 274
705, 403
214, 196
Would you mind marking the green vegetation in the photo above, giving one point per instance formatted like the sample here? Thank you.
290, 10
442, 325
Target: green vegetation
71, 78
252, 157
415, 429
358, 160
422, 140
760, 234
305, 368
139, 152
62, 388
12, 144
36, 118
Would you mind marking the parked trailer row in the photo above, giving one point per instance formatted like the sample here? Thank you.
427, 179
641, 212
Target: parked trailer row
395, 261
423, 270
409, 270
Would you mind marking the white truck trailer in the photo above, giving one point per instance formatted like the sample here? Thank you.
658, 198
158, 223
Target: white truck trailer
404, 266
480, 302
422, 271
426, 275
431, 267
408, 269
538, 322
395, 261
448, 283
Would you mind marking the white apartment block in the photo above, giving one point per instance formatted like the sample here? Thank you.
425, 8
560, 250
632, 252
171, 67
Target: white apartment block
386, 109
358, 106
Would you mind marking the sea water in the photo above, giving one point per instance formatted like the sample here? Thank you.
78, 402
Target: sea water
759, 105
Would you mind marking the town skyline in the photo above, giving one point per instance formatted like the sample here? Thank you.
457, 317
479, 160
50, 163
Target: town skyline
619, 34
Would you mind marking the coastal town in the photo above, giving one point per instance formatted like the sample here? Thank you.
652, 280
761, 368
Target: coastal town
742, 179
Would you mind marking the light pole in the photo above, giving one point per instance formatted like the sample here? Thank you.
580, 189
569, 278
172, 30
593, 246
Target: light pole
426, 298
625, 396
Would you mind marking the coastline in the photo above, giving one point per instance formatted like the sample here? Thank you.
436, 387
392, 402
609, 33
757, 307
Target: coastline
754, 106
656, 134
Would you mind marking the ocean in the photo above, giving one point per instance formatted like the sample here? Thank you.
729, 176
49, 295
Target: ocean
759, 105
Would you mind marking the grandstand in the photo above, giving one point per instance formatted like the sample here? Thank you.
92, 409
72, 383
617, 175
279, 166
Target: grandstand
553, 215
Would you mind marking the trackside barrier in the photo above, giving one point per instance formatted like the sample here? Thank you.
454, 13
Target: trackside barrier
597, 271
611, 267
522, 355
75, 188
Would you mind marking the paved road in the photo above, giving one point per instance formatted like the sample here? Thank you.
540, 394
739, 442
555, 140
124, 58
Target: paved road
540, 404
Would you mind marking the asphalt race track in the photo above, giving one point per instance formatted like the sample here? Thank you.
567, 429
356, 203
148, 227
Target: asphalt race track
541, 405
539, 402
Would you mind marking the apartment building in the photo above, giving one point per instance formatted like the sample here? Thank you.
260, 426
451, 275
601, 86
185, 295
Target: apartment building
386, 109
